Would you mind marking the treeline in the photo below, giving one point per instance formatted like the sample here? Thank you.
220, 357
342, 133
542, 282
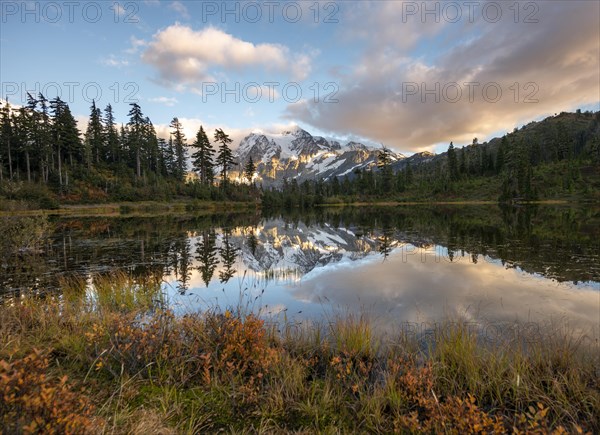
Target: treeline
40, 144
559, 156
46, 159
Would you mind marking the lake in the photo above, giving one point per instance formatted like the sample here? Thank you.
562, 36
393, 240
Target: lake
410, 265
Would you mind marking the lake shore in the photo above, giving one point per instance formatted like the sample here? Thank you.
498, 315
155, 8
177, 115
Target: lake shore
140, 208
151, 208
150, 371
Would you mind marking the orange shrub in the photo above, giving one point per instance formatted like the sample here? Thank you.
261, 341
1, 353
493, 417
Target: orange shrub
190, 349
32, 402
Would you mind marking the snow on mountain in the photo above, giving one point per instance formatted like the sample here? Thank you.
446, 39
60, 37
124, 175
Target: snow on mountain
296, 154
300, 248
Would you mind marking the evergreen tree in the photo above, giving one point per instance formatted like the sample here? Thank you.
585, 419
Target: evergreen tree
249, 170
595, 149
252, 242
5, 134
335, 186
171, 157
500, 154
183, 265
401, 181
123, 141
452, 163
224, 156
202, 159
94, 136
179, 146
564, 142
166, 158
152, 147
29, 126
45, 137
111, 136
463, 161
228, 254
135, 137
21, 133
66, 137
206, 255
384, 161
409, 174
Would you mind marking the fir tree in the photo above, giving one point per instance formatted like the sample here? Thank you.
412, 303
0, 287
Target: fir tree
249, 170
452, 163
45, 137
224, 156
228, 254
65, 135
179, 148
202, 159
463, 161
111, 136
500, 154
206, 255
136, 127
94, 137
384, 161
152, 147
4, 137
29, 128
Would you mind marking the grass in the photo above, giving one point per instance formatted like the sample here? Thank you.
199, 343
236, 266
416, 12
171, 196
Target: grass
138, 209
115, 345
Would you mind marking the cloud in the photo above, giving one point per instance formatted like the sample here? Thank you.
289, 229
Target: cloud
486, 290
181, 9
167, 101
183, 55
396, 27
136, 44
113, 61
554, 61
192, 125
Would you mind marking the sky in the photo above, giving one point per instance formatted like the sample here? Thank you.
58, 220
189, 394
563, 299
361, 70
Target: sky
411, 75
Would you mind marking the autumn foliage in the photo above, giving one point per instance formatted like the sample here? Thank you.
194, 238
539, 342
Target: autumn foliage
34, 402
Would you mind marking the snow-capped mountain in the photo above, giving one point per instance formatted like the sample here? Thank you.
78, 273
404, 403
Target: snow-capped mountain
296, 154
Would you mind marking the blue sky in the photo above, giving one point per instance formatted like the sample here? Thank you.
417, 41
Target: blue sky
411, 75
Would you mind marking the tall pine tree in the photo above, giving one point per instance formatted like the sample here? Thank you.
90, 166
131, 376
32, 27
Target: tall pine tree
179, 148
224, 156
202, 159
136, 133
94, 137
452, 163
249, 170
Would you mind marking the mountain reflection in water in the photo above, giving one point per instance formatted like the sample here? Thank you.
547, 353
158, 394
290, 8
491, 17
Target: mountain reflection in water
413, 264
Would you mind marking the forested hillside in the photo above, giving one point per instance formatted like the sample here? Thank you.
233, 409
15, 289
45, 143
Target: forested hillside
46, 160
557, 158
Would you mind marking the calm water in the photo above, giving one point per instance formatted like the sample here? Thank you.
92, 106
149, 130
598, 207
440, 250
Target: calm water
405, 264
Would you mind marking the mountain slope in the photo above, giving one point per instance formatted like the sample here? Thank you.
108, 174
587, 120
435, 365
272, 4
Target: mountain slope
296, 154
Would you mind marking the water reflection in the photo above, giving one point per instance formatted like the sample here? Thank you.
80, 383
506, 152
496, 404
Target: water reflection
407, 263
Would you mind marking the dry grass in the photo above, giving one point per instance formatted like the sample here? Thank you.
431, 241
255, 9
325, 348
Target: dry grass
150, 371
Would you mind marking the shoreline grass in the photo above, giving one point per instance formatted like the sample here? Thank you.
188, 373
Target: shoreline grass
118, 346
154, 208
141, 208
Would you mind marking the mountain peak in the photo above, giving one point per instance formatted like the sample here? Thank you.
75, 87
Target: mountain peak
355, 146
296, 154
296, 131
